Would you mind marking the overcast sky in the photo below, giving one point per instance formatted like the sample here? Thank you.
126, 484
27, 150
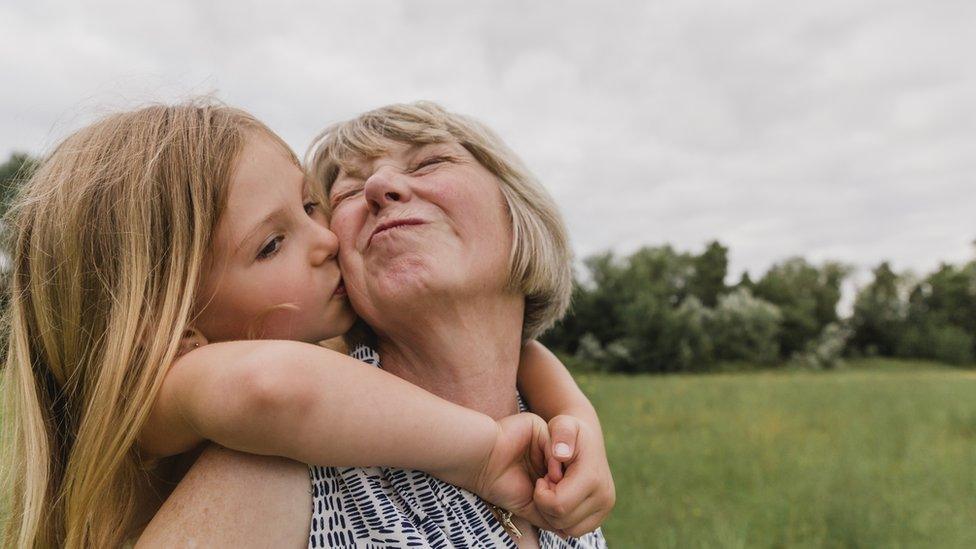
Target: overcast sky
837, 129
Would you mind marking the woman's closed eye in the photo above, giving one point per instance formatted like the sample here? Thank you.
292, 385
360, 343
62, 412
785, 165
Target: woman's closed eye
420, 168
271, 248
342, 195
430, 161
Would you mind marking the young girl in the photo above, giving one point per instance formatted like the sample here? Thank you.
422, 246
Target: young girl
120, 264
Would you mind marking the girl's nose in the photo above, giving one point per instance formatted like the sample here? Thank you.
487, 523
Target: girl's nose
326, 245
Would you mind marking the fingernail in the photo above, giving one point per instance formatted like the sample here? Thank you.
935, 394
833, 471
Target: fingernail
562, 450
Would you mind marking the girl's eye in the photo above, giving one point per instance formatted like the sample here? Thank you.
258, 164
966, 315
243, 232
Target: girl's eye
310, 207
271, 248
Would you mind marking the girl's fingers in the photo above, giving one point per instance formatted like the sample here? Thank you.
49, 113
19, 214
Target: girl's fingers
563, 509
540, 454
586, 525
574, 488
543, 488
564, 431
537, 519
585, 518
555, 469
570, 497
571, 521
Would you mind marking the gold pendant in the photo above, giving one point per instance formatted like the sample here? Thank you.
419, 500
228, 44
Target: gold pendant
504, 516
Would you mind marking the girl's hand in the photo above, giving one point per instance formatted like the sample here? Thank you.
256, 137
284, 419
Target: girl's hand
507, 478
577, 500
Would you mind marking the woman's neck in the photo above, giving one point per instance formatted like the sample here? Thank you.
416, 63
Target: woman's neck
468, 355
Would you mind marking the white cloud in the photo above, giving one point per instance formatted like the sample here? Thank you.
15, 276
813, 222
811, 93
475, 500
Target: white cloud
836, 129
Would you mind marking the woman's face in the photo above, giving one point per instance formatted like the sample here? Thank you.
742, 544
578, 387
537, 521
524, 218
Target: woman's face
273, 272
418, 222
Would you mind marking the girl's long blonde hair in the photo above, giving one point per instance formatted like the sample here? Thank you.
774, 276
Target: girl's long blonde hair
107, 243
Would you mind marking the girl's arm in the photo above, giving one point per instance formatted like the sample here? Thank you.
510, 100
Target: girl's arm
579, 500
307, 403
549, 389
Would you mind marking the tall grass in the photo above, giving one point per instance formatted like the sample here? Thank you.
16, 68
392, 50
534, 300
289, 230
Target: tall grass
879, 455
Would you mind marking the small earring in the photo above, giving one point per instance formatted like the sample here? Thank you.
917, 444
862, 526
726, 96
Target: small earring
195, 344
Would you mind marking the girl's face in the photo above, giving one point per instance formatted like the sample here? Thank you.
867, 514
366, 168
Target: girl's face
273, 272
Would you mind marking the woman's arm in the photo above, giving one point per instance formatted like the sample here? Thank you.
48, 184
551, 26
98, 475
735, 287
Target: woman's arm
579, 501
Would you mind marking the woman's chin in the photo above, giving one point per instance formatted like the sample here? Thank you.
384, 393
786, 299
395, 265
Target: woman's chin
404, 274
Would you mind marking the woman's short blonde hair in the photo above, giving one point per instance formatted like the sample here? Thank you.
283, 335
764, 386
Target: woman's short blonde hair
541, 259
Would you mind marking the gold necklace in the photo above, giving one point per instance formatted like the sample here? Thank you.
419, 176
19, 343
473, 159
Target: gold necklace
504, 516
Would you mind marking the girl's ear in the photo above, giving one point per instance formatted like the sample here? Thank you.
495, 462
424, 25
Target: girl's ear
191, 339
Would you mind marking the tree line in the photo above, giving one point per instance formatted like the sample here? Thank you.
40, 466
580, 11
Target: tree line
663, 310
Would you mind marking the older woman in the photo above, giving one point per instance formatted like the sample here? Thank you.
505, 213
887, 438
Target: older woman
454, 256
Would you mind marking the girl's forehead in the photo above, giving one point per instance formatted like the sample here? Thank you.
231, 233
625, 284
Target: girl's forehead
259, 135
265, 179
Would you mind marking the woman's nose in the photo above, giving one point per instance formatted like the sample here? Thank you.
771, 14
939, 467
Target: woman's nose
386, 186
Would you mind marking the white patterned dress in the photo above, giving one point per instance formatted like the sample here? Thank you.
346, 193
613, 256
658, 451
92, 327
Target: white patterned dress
373, 507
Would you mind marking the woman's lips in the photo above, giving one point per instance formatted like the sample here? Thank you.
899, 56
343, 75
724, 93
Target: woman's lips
393, 224
340, 289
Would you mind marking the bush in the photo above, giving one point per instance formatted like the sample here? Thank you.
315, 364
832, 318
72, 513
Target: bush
807, 297
952, 345
880, 314
745, 328
938, 341
664, 338
593, 356
826, 351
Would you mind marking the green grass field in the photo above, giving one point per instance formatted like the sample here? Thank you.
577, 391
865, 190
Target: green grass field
880, 454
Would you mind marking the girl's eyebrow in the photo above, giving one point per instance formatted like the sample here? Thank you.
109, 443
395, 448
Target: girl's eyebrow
272, 216
267, 220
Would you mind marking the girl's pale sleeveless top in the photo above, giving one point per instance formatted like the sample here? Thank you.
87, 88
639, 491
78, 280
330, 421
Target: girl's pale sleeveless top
373, 507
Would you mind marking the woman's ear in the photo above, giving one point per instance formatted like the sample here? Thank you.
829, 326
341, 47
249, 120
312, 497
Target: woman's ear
191, 339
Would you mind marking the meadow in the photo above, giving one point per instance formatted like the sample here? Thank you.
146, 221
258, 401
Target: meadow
879, 454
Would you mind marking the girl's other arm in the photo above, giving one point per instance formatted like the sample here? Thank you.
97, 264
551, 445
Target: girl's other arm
549, 389
578, 501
